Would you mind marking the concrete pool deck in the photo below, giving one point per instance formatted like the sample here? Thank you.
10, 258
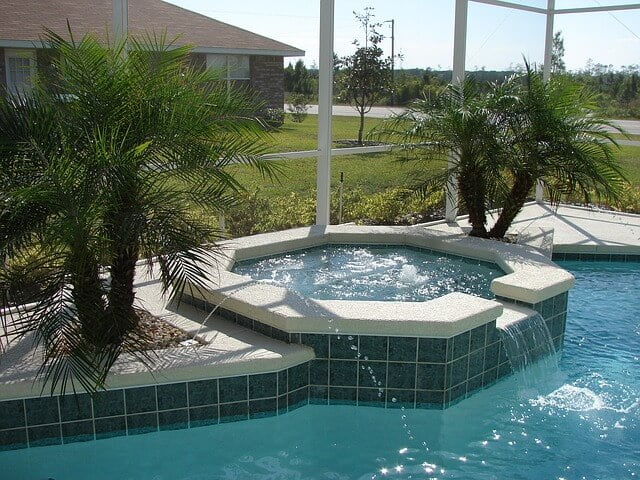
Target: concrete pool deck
576, 230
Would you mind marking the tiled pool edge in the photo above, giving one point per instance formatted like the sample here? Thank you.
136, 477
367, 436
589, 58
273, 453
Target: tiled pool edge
416, 373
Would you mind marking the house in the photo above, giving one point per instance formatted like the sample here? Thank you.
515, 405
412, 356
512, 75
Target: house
245, 57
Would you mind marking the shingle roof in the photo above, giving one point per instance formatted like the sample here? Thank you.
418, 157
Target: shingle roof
23, 21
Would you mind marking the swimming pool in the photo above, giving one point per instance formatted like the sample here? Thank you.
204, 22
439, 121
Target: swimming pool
582, 423
372, 272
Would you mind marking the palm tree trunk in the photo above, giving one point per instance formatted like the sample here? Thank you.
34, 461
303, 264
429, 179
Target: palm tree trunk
512, 205
472, 193
120, 312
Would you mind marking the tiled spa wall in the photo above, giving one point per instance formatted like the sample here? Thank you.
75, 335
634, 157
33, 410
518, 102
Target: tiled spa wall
65, 419
408, 371
366, 370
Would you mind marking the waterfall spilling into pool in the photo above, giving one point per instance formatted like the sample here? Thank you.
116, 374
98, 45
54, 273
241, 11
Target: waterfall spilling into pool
530, 350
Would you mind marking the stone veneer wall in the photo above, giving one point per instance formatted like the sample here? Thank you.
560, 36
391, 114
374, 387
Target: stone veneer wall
267, 78
365, 370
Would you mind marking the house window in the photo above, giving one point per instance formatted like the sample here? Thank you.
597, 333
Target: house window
232, 67
20, 67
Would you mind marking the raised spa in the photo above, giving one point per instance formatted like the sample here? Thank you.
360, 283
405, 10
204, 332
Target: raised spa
372, 272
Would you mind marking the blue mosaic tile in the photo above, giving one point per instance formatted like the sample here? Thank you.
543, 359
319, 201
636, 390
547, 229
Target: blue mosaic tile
372, 396
283, 388
372, 374
343, 395
262, 328
547, 308
474, 384
203, 416
432, 350
403, 349
319, 372
13, 439
343, 373
280, 335
263, 385
476, 362
431, 376
81, 431
433, 399
298, 376
234, 412
477, 338
173, 419
401, 398
232, 389
75, 407
141, 399
11, 414
297, 398
263, 408
282, 404
559, 325
110, 427
493, 334
343, 347
142, 423
456, 394
401, 375
489, 377
226, 314
203, 392
458, 371
41, 411
109, 403
560, 303
171, 396
244, 321
461, 345
44, 435
373, 347
504, 369
492, 355
319, 343
318, 395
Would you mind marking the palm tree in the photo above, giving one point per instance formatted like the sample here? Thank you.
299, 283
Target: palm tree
462, 124
102, 165
556, 135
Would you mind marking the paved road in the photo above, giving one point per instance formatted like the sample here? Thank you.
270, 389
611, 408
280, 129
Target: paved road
631, 126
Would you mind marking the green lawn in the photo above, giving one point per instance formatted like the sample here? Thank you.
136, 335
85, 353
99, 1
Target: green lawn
295, 137
370, 173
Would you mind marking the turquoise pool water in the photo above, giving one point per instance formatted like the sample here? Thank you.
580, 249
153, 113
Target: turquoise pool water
358, 272
583, 423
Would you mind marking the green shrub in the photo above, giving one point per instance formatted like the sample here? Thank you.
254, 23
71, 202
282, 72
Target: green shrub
394, 206
273, 118
298, 107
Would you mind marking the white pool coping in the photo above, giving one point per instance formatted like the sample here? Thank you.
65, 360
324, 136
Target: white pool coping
231, 350
531, 278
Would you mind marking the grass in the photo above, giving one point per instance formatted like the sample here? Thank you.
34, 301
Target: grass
295, 137
370, 173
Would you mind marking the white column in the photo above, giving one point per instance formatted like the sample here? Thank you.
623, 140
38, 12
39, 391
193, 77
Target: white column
325, 111
120, 19
546, 72
459, 60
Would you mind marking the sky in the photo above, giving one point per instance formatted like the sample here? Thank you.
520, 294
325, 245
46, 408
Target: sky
498, 38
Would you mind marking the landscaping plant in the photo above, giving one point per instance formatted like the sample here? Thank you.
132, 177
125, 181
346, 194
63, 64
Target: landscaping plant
102, 166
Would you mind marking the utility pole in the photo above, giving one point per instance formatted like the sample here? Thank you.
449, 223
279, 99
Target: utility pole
393, 59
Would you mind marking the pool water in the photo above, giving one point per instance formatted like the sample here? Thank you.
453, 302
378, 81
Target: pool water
357, 272
582, 423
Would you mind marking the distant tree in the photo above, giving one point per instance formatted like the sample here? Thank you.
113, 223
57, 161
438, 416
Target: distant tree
365, 76
557, 54
297, 79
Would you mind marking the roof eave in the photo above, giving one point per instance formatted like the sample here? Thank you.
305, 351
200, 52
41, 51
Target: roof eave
5, 43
